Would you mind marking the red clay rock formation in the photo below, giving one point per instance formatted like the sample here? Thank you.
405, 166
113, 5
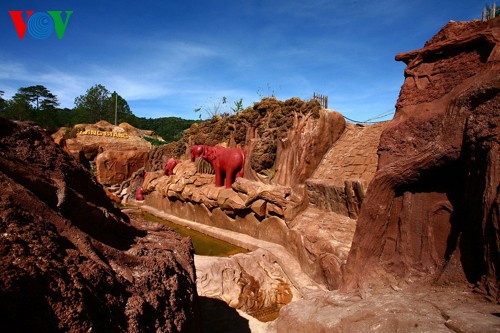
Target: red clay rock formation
306, 142
116, 151
334, 194
339, 183
251, 282
113, 167
70, 261
431, 211
319, 236
432, 309
187, 186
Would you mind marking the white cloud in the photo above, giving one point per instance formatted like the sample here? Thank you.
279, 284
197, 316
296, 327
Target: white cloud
160, 73
16, 75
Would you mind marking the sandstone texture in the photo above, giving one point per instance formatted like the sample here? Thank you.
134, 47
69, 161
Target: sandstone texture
70, 261
307, 141
431, 211
253, 283
259, 282
417, 309
339, 183
245, 197
114, 153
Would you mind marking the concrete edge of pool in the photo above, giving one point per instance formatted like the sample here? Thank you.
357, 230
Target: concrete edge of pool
301, 281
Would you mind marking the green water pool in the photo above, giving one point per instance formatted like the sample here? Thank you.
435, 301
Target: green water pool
203, 244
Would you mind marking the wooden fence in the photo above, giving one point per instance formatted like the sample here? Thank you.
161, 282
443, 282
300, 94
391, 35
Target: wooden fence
489, 13
322, 99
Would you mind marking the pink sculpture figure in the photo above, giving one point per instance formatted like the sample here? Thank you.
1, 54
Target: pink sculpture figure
228, 163
139, 194
169, 166
196, 151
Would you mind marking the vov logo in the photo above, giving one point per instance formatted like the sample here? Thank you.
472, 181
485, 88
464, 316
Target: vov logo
40, 25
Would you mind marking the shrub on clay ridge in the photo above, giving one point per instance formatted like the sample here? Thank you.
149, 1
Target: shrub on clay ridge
271, 118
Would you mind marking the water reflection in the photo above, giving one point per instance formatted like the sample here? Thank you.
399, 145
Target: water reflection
203, 244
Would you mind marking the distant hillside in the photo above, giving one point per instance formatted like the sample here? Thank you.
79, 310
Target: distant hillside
169, 128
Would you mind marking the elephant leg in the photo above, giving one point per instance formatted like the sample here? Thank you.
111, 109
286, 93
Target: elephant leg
224, 177
218, 177
230, 178
240, 173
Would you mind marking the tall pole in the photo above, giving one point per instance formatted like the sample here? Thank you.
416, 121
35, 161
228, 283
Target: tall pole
116, 108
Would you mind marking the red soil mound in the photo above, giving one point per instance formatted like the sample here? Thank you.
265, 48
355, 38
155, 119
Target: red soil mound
72, 262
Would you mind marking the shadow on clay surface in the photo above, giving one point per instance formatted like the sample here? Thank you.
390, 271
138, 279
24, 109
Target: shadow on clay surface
217, 316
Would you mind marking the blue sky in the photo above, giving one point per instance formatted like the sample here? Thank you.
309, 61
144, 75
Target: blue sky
167, 58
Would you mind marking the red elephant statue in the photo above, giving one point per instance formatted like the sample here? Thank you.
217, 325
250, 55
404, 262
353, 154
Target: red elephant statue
228, 163
169, 166
196, 151
139, 194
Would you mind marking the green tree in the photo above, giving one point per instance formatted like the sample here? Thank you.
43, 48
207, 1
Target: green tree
66, 117
92, 106
19, 108
169, 128
99, 104
3, 102
38, 96
35, 103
